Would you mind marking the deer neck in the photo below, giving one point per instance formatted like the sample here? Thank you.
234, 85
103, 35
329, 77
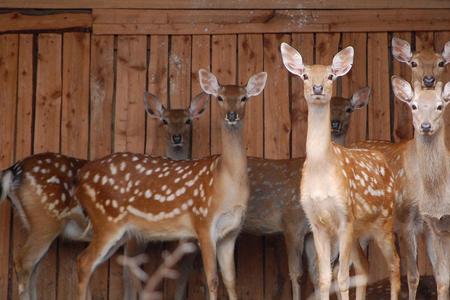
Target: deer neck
318, 139
339, 139
432, 157
179, 152
234, 157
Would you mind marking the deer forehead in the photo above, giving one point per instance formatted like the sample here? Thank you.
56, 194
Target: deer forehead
318, 73
428, 97
176, 115
339, 105
426, 56
232, 91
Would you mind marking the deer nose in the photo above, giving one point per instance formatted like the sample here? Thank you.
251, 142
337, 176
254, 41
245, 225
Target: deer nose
429, 80
231, 116
317, 89
335, 124
177, 138
425, 126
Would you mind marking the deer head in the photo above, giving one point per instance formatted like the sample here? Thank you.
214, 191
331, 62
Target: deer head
177, 122
427, 105
232, 98
318, 79
426, 65
342, 108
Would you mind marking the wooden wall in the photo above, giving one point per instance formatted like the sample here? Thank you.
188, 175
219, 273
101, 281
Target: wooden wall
80, 91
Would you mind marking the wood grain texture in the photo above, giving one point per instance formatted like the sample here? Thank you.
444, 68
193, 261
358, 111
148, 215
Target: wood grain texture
249, 248
9, 53
354, 80
23, 132
327, 45
232, 4
19, 22
74, 140
180, 71
110, 21
277, 130
304, 43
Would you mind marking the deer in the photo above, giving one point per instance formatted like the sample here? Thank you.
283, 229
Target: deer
346, 193
421, 167
155, 198
39, 188
426, 65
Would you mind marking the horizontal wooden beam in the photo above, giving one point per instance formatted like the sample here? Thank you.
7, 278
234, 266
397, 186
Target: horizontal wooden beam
115, 21
20, 22
226, 4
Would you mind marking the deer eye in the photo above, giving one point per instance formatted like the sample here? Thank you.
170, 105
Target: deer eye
348, 110
441, 64
305, 77
220, 98
414, 107
188, 121
439, 107
243, 99
413, 64
330, 77
165, 121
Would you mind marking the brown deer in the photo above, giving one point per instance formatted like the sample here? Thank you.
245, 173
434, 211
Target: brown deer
426, 65
422, 170
345, 193
155, 198
39, 188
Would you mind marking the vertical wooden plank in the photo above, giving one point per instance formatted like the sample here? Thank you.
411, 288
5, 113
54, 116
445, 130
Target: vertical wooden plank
378, 119
224, 67
353, 81
129, 119
403, 129
440, 38
47, 134
277, 128
327, 45
157, 85
304, 43
8, 95
101, 107
23, 132
74, 137
250, 248
201, 59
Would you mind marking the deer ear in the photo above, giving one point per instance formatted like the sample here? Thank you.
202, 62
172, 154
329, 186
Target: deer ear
208, 82
446, 53
402, 89
342, 61
256, 84
401, 50
153, 105
446, 93
360, 98
292, 60
198, 105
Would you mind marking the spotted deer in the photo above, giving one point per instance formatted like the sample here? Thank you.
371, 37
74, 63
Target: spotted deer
345, 193
426, 65
39, 188
422, 170
155, 198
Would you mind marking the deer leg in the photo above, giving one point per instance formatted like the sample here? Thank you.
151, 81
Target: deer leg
408, 243
345, 248
132, 285
294, 241
311, 260
225, 255
387, 246
438, 256
322, 246
98, 251
208, 250
35, 247
361, 266
186, 267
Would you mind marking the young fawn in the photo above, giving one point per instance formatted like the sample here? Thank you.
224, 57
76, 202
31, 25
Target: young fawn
427, 67
345, 193
127, 194
422, 170
39, 188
